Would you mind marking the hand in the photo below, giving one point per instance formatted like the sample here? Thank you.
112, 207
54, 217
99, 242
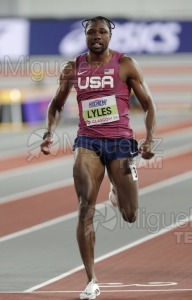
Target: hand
145, 150
46, 145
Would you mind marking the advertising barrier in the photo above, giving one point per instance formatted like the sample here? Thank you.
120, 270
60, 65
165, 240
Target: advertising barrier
24, 67
66, 37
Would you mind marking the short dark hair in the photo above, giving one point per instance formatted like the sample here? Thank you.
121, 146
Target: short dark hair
109, 23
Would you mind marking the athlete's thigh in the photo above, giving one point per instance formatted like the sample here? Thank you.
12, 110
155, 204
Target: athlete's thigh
88, 172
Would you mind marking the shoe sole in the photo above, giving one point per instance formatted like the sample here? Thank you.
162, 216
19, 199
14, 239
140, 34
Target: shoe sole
88, 297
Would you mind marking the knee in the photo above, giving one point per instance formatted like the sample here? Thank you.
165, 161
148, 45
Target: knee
129, 216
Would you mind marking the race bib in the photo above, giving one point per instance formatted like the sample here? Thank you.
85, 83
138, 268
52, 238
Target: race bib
100, 110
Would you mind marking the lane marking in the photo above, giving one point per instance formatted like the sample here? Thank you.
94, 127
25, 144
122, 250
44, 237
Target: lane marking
38, 190
143, 191
35, 168
108, 255
102, 291
117, 251
34, 228
163, 132
63, 183
149, 284
46, 164
165, 183
183, 132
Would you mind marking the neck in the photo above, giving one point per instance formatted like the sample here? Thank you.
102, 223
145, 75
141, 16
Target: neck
99, 59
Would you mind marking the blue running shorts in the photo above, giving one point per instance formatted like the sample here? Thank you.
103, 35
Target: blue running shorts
108, 149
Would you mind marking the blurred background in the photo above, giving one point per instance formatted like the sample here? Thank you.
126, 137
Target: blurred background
37, 37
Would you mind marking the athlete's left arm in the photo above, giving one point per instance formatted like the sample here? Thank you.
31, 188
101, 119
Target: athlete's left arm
134, 78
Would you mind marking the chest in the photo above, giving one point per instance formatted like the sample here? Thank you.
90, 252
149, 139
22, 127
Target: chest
95, 82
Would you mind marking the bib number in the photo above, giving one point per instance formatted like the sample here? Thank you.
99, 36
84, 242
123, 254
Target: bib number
133, 172
100, 110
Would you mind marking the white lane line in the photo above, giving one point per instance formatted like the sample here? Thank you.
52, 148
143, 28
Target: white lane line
35, 168
34, 228
108, 255
62, 183
184, 149
159, 290
65, 159
165, 183
179, 178
40, 226
102, 291
143, 191
173, 134
38, 190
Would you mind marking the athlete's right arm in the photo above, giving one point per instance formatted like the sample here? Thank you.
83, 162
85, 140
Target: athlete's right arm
56, 106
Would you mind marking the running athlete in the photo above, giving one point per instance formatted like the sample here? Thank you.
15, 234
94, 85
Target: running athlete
103, 79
